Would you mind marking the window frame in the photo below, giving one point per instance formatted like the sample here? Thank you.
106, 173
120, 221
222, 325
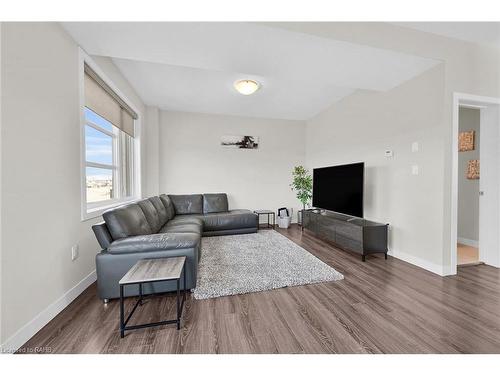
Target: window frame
95, 209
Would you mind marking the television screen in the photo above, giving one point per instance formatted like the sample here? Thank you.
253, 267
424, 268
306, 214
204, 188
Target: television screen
339, 188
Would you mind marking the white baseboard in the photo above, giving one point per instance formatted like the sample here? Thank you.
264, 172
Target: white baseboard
28, 330
466, 241
419, 262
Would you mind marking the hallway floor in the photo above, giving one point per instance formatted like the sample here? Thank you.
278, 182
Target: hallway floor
467, 254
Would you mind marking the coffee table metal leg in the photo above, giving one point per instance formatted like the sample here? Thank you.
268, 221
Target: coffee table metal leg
140, 294
122, 317
178, 306
184, 271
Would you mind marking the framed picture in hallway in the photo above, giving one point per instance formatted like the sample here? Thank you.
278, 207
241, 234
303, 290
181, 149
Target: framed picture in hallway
240, 141
466, 141
473, 170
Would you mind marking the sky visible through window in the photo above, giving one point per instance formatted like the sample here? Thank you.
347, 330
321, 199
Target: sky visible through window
98, 146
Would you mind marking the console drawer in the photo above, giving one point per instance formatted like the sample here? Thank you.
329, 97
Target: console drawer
349, 231
349, 243
354, 234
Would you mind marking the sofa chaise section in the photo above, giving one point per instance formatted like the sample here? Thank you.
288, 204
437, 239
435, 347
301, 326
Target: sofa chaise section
128, 234
213, 211
122, 254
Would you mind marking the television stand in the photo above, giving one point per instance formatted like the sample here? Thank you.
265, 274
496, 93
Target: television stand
347, 232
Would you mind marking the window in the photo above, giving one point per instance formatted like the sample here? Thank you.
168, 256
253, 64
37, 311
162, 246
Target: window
109, 147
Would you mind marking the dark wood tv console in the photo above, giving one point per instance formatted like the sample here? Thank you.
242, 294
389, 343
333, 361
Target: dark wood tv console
347, 232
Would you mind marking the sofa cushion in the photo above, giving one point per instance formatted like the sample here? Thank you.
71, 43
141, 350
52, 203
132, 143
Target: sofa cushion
215, 203
160, 209
125, 221
182, 228
151, 214
187, 204
167, 202
234, 219
155, 242
187, 219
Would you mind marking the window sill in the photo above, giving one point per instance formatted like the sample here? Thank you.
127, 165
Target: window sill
92, 213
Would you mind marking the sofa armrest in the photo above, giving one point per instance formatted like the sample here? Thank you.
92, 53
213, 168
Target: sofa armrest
154, 242
102, 234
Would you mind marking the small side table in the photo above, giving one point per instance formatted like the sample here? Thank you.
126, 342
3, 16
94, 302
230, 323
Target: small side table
268, 213
150, 271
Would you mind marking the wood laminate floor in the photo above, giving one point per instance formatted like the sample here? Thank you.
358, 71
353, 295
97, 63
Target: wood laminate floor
467, 254
382, 306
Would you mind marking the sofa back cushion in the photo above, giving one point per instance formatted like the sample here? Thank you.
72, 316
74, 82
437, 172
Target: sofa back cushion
169, 207
125, 221
160, 210
215, 203
151, 214
187, 204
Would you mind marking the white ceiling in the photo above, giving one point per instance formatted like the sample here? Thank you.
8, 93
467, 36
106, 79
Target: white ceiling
192, 66
476, 32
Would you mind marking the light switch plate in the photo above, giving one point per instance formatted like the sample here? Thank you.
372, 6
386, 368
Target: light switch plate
414, 147
74, 252
414, 170
389, 153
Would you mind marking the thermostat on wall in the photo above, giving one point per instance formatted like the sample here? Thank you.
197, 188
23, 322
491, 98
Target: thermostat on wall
388, 153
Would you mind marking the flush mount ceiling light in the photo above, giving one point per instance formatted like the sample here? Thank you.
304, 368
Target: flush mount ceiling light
246, 86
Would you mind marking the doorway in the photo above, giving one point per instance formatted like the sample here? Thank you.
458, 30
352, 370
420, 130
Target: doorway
469, 145
475, 191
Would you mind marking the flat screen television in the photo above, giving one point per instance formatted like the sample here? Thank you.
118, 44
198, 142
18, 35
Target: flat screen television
339, 188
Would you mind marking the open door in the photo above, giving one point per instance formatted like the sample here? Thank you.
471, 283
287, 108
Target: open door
489, 186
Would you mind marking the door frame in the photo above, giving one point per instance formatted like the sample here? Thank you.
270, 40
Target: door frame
459, 98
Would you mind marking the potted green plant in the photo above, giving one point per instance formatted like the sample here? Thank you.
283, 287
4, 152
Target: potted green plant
302, 184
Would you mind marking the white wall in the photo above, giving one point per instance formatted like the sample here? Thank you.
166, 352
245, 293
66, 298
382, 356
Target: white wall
468, 190
193, 161
40, 142
360, 128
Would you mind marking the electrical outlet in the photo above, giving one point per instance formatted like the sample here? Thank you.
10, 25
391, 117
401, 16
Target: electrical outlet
74, 252
414, 147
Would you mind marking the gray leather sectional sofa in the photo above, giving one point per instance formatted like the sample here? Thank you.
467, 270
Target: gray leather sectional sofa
158, 227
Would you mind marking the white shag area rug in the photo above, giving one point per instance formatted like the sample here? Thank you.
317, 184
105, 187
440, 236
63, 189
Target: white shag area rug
255, 262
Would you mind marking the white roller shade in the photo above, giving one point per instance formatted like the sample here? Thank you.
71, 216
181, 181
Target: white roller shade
101, 99
127, 123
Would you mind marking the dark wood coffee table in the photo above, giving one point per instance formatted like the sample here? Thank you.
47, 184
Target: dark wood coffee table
150, 271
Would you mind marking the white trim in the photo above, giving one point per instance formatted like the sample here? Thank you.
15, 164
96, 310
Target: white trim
92, 213
468, 242
458, 99
26, 332
454, 186
419, 262
100, 129
87, 214
91, 164
472, 106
